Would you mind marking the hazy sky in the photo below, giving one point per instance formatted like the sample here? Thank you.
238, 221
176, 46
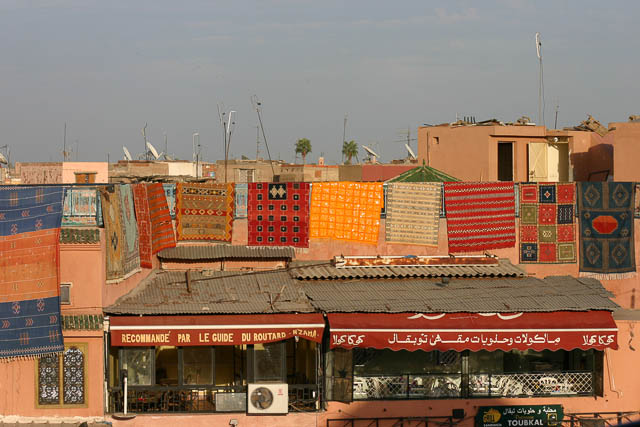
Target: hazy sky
107, 67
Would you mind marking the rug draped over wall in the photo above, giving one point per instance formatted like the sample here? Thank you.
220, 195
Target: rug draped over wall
204, 211
413, 213
30, 221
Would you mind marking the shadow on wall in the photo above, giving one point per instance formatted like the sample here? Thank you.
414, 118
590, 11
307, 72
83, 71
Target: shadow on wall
593, 165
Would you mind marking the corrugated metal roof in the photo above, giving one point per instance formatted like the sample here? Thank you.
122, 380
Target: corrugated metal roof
216, 292
326, 271
208, 252
527, 294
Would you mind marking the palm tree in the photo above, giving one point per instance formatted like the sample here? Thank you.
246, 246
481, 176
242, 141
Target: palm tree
303, 147
349, 150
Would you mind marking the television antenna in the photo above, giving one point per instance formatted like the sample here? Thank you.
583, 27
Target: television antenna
540, 80
412, 155
127, 154
144, 136
257, 105
371, 154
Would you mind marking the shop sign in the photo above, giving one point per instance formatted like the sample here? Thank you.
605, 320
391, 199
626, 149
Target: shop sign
519, 416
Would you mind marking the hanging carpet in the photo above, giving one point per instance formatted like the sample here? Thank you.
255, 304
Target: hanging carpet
204, 211
162, 234
279, 214
413, 213
141, 204
346, 211
480, 215
80, 207
606, 229
30, 219
130, 247
547, 223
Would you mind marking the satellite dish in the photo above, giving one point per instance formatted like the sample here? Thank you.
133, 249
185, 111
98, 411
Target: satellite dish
410, 151
127, 154
168, 157
3, 159
370, 151
153, 150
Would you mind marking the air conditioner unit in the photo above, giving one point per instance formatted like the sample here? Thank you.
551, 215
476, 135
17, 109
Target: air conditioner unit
268, 399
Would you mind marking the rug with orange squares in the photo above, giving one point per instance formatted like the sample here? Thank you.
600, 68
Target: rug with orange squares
346, 211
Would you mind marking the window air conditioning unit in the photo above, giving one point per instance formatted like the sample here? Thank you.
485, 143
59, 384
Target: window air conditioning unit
268, 399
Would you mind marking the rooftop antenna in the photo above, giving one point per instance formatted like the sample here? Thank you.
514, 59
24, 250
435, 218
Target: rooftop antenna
257, 142
540, 80
195, 136
144, 135
166, 147
555, 125
65, 154
257, 105
127, 154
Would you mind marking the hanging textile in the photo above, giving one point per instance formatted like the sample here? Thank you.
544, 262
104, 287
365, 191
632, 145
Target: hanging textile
80, 207
242, 198
547, 223
30, 219
346, 211
130, 249
162, 235
279, 214
170, 195
413, 213
204, 211
480, 215
141, 204
606, 229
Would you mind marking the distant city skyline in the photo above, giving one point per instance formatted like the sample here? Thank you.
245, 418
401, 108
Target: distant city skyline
107, 68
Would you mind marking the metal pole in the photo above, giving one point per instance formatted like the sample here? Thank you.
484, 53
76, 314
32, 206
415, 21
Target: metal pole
125, 395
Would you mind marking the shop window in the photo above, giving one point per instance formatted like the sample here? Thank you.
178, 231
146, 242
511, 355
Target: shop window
166, 365
197, 365
138, 362
62, 377
269, 362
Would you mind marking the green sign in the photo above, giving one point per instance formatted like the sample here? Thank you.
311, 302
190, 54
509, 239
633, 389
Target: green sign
519, 416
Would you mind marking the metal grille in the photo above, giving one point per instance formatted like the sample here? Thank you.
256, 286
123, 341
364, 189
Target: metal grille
49, 380
539, 384
73, 380
406, 386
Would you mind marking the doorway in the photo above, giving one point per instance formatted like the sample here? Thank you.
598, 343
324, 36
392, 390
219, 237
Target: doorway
505, 161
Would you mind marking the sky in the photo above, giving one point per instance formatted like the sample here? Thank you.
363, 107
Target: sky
105, 68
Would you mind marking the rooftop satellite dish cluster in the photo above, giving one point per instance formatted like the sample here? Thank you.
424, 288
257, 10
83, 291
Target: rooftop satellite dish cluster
151, 153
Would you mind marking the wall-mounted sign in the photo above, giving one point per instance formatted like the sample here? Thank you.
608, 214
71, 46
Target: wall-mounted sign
519, 416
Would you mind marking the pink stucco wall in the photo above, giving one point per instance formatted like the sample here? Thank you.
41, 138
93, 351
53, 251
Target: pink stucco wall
69, 170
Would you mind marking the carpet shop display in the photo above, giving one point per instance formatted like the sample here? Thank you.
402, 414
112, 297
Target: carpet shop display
162, 234
413, 213
547, 223
480, 215
278, 214
170, 195
346, 211
606, 229
130, 247
204, 211
30, 219
143, 222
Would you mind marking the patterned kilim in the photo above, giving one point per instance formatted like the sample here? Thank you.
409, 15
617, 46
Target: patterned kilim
413, 213
30, 221
162, 235
80, 207
346, 211
130, 247
606, 229
242, 196
547, 223
279, 214
170, 194
204, 211
480, 215
110, 200
141, 203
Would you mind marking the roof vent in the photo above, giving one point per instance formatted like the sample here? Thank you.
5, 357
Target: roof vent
444, 281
